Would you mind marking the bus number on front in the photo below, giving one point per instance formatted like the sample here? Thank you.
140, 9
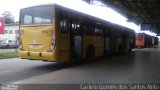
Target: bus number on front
47, 32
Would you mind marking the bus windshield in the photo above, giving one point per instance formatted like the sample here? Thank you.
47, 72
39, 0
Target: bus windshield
139, 36
37, 15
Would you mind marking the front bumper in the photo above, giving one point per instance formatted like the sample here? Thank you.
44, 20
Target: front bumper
45, 56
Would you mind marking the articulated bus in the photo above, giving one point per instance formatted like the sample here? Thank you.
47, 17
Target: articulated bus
59, 34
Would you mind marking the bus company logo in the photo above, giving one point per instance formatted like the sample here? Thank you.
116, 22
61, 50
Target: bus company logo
35, 41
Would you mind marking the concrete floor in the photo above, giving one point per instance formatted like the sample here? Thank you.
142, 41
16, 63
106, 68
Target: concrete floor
141, 66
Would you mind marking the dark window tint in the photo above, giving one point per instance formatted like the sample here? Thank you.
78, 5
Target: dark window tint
139, 36
98, 31
63, 24
90, 30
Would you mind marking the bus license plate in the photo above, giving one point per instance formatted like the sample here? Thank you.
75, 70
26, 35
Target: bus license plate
35, 46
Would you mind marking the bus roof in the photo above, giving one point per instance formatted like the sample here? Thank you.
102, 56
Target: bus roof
38, 5
91, 16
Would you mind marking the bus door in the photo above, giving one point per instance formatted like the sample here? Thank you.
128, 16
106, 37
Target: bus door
76, 39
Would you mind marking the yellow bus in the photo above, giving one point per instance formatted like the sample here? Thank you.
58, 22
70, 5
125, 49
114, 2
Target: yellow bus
59, 34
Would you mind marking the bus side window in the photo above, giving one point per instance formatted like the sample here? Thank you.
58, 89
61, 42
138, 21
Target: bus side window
63, 24
78, 29
99, 31
90, 30
28, 19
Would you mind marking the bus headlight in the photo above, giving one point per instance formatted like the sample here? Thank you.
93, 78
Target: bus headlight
53, 42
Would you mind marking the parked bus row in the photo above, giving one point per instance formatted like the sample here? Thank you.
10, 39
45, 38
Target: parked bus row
59, 34
144, 40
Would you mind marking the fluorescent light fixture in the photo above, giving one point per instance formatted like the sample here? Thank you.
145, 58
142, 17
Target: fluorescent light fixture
97, 2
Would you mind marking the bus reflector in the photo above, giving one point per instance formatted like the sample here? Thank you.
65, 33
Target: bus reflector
53, 42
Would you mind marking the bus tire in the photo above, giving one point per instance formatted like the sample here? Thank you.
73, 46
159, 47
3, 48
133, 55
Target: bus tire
90, 53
